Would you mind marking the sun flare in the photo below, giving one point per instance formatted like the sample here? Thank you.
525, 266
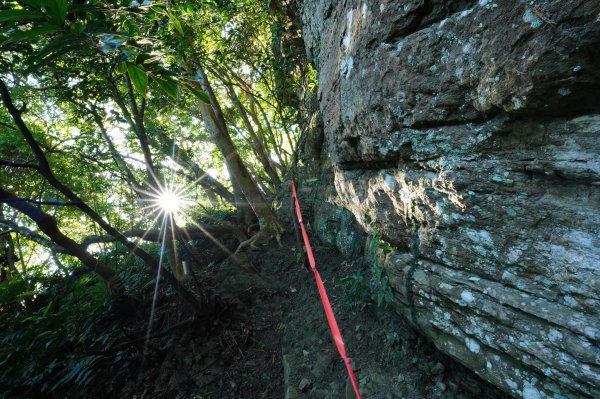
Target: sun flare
169, 201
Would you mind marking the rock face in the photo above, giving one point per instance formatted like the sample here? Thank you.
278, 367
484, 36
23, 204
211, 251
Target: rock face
468, 132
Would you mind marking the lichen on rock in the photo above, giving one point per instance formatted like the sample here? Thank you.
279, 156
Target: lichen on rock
469, 131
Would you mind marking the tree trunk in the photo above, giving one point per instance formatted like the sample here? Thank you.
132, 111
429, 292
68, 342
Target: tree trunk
140, 130
212, 198
23, 263
137, 187
7, 249
258, 145
3, 256
216, 125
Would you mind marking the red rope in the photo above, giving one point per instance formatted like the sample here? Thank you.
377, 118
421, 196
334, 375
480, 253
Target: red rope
337, 335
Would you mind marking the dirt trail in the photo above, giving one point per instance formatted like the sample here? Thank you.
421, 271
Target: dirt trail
276, 343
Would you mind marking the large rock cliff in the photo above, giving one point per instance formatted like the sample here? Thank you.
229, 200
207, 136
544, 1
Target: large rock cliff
468, 132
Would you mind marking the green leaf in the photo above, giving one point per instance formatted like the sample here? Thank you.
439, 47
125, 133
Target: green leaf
201, 94
33, 3
47, 309
57, 10
138, 77
169, 86
30, 34
150, 62
121, 67
27, 294
11, 15
61, 45
78, 27
177, 24
386, 247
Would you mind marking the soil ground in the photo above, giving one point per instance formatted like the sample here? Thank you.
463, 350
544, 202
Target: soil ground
272, 341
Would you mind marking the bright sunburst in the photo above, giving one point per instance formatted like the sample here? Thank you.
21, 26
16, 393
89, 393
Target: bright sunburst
169, 201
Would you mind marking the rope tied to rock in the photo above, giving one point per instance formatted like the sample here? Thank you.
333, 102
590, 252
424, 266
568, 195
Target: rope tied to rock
335, 331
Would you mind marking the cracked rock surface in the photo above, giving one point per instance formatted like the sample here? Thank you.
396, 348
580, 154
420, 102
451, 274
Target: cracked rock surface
468, 133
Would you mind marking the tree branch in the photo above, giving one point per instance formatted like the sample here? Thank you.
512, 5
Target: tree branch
48, 225
137, 187
8, 126
189, 233
44, 169
161, 143
12, 164
32, 235
140, 130
49, 203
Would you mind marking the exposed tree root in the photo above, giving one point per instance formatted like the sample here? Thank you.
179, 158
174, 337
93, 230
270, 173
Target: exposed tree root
262, 237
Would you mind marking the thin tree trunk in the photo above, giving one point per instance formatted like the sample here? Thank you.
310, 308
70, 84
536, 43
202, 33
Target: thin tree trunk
254, 103
261, 134
215, 123
140, 131
7, 246
155, 176
137, 187
202, 177
258, 147
19, 248
3, 257
11, 258
256, 178
212, 198
253, 114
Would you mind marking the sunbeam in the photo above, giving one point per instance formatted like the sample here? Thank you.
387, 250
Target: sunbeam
167, 199
169, 202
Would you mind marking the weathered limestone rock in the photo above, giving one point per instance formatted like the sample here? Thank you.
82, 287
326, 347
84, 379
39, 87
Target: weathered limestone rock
469, 133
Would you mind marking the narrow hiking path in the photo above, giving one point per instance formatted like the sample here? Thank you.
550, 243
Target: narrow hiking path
274, 341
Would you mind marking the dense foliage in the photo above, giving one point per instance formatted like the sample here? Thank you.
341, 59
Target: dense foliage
62, 335
107, 106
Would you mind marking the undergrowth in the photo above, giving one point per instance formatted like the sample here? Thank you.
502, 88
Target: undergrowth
208, 216
60, 334
369, 285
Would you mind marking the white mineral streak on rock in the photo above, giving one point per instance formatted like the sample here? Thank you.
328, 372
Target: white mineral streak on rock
502, 203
